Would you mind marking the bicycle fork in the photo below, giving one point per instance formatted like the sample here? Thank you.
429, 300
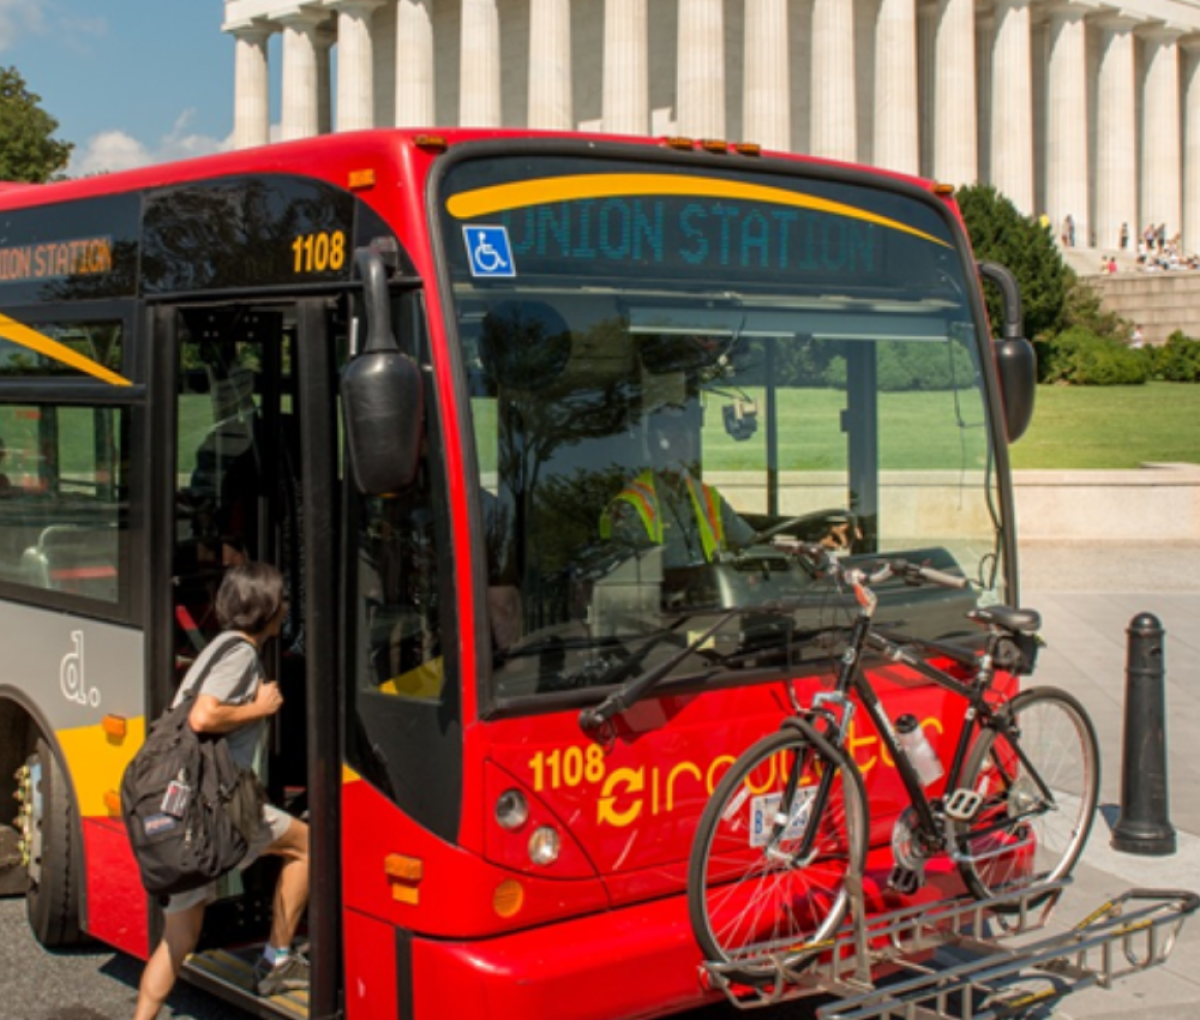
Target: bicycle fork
789, 812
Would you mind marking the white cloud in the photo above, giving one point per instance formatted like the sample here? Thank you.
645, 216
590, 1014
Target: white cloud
110, 151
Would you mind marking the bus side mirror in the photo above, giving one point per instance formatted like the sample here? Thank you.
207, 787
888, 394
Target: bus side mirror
1016, 361
382, 395
1016, 365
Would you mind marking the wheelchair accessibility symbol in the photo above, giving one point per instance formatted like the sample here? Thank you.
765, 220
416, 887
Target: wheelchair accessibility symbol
489, 251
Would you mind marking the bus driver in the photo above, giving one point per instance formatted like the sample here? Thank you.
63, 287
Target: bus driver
669, 505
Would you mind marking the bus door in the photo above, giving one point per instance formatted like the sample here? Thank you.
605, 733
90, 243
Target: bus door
236, 497
253, 399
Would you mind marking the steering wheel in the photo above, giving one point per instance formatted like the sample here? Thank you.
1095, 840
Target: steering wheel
812, 517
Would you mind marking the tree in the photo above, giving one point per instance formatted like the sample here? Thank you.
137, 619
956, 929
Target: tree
1083, 307
999, 233
27, 150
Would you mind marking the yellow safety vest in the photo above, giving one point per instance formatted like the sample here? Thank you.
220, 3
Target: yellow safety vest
642, 495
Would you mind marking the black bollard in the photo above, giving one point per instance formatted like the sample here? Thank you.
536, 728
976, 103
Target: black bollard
1143, 827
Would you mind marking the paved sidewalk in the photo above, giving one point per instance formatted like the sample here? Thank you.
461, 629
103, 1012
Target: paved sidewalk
1088, 595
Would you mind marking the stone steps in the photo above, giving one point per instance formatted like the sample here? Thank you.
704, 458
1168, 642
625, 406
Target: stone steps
1161, 301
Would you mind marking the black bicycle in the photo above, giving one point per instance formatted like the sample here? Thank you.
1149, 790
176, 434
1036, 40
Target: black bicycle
787, 826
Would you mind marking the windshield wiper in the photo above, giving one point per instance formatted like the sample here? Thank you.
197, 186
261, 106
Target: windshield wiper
628, 695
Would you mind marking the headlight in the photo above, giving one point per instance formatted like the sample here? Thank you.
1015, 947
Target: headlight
544, 846
512, 811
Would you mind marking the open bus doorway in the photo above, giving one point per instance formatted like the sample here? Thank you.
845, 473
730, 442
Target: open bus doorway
237, 497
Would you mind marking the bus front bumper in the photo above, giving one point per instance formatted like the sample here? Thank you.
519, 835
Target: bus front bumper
631, 963
637, 962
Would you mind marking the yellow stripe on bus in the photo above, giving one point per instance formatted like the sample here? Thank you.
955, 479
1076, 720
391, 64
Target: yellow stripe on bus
504, 197
96, 761
12, 330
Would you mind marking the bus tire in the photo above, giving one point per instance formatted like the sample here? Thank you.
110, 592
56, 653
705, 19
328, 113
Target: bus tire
53, 887
12, 869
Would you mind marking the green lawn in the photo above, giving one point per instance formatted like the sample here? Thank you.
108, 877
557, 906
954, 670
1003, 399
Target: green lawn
1082, 427
1111, 426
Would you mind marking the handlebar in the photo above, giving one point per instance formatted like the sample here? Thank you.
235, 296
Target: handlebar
824, 562
939, 577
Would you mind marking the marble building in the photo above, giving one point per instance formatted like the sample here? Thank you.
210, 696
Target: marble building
1087, 108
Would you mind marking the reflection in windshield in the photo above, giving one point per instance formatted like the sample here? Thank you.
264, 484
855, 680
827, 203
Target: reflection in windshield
642, 436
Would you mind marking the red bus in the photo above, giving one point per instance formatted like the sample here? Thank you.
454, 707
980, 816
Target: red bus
422, 374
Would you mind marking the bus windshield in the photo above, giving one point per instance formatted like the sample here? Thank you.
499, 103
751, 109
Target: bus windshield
669, 368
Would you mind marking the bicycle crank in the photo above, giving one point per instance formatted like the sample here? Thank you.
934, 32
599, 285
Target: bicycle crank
909, 873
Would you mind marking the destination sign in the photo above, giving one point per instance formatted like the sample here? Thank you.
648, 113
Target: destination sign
80, 250
56, 259
616, 219
701, 234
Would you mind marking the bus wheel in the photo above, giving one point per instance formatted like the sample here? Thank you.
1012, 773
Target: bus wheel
46, 822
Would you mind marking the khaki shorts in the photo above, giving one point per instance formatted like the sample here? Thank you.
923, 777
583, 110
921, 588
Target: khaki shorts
275, 824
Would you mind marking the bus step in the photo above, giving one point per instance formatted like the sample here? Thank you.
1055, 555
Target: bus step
230, 975
946, 961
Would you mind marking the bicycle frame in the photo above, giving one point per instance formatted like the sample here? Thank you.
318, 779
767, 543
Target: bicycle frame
852, 680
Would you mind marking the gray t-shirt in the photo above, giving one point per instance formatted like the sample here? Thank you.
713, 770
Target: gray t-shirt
232, 680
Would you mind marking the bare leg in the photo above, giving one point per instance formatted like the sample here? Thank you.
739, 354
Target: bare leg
291, 892
180, 935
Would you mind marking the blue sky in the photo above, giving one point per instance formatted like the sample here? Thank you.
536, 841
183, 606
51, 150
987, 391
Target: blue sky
130, 82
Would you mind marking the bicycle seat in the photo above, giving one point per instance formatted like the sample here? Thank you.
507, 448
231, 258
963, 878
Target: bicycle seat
1016, 621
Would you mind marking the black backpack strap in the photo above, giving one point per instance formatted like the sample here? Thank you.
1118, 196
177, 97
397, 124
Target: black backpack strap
194, 687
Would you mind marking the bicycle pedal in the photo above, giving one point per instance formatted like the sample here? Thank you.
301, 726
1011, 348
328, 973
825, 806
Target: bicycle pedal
963, 805
906, 881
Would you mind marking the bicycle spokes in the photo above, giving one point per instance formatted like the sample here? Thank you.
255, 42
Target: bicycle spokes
1037, 782
775, 853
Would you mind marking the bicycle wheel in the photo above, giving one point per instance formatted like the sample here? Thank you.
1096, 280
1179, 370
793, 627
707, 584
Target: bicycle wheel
756, 895
1016, 839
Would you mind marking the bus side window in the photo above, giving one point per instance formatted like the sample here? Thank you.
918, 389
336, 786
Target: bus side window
63, 518
76, 558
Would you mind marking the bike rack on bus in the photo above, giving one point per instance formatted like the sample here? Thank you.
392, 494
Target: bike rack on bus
1131, 933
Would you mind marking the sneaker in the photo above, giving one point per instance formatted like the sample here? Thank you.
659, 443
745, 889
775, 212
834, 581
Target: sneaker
289, 975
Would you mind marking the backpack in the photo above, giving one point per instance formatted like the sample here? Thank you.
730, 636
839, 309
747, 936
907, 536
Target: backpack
179, 798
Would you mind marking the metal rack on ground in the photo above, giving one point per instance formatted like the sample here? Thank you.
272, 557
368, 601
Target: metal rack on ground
946, 961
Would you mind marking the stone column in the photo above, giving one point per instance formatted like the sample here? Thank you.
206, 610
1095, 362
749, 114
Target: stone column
1191, 154
956, 122
625, 100
985, 38
1116, 134
1162, 146
479, 59
1012, 105
927, 26
251, 86
700, 69
1067, 184
356, 64
326, 37
414, 64
834, 109
766, 87
550, 65
301, 76
897, 109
